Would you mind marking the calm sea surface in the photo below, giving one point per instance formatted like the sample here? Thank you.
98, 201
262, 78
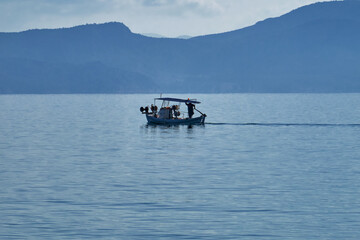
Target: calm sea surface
266, 166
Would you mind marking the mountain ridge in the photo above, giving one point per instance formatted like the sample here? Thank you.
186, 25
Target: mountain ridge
311, 49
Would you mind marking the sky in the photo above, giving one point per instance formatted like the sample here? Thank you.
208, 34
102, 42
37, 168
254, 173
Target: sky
170, 18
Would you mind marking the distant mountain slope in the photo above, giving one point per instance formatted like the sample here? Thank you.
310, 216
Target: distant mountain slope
312, 49
32, 76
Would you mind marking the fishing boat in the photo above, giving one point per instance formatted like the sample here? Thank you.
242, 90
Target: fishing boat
171, 114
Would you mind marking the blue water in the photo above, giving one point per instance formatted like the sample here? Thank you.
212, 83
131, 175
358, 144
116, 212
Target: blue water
266, 166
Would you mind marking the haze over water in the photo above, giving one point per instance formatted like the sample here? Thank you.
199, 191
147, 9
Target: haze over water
265, 166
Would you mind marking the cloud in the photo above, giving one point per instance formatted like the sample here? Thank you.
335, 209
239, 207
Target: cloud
18, 15
179, 7
152, 3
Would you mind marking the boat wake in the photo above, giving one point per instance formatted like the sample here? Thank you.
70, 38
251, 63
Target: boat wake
290, 124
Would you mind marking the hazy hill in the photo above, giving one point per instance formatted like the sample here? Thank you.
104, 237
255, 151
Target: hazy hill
312, 49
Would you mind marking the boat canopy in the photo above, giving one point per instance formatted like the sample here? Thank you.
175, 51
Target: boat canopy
178, 100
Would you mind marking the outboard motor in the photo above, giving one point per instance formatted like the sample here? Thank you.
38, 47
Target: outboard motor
146, 109
142, 109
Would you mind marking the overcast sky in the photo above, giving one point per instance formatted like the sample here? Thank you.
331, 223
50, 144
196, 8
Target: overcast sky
165, 17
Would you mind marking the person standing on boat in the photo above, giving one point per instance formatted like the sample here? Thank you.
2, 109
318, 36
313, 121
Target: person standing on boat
190, 108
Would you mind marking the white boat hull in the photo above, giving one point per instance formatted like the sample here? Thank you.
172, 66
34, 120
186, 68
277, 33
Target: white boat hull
187, 121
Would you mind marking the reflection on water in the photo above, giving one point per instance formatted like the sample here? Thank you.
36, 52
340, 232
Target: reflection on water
175, 131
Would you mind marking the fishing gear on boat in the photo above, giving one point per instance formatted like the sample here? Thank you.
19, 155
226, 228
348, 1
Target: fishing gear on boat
154, 108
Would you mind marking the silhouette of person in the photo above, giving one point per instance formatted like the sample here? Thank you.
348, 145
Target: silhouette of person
190, 108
